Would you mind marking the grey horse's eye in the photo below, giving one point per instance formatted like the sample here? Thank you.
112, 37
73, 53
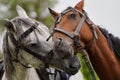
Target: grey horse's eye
32, 45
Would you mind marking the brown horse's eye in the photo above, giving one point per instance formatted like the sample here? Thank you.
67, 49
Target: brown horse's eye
72, 16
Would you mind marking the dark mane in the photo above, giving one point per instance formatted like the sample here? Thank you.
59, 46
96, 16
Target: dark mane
68, 8
113, 41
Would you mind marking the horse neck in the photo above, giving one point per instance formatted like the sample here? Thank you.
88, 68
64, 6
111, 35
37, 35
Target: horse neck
16, 71
30, 75
103, 59
18, 74
13, 70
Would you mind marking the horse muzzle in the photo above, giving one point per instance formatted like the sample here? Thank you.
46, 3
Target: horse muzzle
71, 66
63, 48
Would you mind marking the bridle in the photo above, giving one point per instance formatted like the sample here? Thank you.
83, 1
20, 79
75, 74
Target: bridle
75, 35
17, 43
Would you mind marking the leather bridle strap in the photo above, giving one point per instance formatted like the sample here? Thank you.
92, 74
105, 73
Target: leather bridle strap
80, 23
64, 32
26, 33
88, 63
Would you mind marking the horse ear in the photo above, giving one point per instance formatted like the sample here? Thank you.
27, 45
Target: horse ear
80, 5
21, 12
9, 25
53, 13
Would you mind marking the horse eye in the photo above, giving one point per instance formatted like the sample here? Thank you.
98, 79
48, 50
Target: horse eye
72, 16
32, 45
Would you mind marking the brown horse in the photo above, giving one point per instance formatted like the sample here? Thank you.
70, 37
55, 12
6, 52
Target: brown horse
74, 31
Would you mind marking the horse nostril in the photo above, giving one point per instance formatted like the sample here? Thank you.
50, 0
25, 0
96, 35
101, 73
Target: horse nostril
58, 42
73, 67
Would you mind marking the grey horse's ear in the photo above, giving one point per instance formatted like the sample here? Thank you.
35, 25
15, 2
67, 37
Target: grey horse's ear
9, 25
21, 12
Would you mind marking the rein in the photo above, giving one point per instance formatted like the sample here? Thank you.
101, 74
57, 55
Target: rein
75, 36
17, 43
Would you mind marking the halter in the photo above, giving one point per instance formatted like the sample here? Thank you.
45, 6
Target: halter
17, 43
75, 35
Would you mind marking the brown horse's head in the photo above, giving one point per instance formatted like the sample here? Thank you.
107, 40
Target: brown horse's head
66, 30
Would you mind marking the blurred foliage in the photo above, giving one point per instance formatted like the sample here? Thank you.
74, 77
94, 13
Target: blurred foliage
1, 55
37, 9
85, 70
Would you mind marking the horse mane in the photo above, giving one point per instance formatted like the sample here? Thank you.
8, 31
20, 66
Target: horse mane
113, 41
68, 8
116, 44
7, 57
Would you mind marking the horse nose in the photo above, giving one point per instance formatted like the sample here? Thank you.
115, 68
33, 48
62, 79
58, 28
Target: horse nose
58, 42
75, 67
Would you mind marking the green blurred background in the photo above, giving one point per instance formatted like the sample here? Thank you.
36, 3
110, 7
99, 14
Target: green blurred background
37, 9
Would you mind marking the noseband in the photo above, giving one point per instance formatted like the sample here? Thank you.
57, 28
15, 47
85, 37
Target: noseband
17, 43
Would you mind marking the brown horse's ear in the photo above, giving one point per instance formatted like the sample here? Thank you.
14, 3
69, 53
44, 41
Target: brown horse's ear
53, 13
80, 5
9, 25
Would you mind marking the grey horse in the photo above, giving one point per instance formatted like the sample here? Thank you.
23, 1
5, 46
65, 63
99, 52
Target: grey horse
25, 48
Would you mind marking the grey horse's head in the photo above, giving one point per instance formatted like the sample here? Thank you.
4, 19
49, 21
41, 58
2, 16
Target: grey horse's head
36, 41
